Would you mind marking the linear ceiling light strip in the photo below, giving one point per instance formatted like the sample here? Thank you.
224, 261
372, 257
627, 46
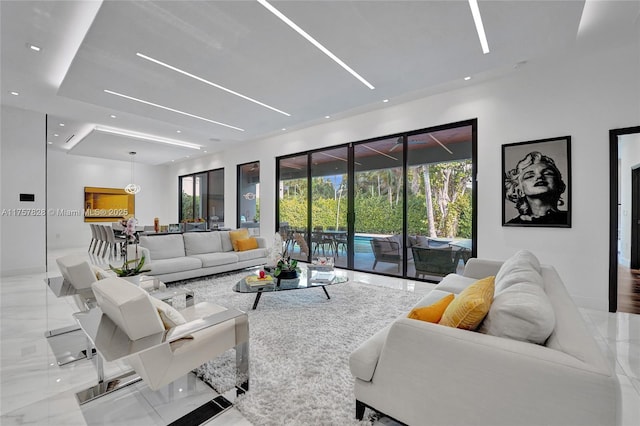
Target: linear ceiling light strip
195, 77
313, 41
177, 111
146, 137
475, 11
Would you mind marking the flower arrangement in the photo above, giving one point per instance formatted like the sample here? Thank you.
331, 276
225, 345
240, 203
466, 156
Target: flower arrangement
286, 266
279, 259
134, 266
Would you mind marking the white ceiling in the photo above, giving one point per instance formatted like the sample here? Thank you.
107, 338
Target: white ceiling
405, 49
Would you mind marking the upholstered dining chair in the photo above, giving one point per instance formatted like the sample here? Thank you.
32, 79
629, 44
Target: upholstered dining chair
114, 244
161, 343
94, 236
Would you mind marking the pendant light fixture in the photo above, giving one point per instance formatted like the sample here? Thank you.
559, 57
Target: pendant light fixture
132, 188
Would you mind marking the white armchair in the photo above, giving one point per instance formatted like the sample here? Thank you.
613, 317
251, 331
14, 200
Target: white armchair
160, 343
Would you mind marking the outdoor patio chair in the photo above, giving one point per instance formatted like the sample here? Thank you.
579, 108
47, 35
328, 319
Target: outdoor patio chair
386, 250
434, 261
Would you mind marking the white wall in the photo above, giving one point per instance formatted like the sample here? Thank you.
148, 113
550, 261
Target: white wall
582, 97
22, 153
629, 154
69, 174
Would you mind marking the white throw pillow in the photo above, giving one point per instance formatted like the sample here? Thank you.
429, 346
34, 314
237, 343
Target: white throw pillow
522, 267
168, 314
520, 312
101, 273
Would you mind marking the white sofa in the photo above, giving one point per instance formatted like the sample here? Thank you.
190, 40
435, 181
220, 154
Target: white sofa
422, 373
175, 257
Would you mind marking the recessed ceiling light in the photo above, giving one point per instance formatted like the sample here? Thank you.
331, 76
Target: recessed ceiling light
204, 152
33, 47
467, 78
61, 124
155, 61
327, 116
177, 111
56, 135
178, 131
145, 136
385, 101
173, 161
475, 11
50, 143
284, 128
15, 93
113, 116
313, 41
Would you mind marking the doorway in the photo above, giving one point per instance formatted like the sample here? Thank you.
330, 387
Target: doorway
624, 244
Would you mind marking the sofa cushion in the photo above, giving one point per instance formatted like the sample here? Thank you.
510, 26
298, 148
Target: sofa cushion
521, 312
163, 246
176, 264
169, 316
432, 313
470, 307
454, 283
418, 240
225, 239
202, 242
251, 254
522, 267
247, 244
216, 259
240, 234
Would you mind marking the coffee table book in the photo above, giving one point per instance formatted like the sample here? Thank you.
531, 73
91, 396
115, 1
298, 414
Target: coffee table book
256, 281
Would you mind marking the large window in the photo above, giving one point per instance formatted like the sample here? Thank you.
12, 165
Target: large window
397, 205
249, 197
292, 204
202, 198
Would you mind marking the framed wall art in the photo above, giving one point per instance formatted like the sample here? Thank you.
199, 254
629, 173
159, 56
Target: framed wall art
536, 188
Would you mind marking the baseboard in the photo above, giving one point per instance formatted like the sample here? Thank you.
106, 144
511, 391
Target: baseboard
591, 303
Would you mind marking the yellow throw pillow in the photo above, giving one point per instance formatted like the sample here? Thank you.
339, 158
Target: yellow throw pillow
247, 244
240, 234
470, 307
431, 313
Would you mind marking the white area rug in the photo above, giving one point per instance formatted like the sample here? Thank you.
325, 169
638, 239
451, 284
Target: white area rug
299, 347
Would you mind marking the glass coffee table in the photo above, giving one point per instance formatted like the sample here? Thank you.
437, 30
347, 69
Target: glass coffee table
306, 279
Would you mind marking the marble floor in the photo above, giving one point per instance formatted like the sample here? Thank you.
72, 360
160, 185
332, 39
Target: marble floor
34, 390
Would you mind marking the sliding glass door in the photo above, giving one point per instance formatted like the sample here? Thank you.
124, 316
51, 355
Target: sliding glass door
401, 205
293, 206
439, 201
378, 206
329, 204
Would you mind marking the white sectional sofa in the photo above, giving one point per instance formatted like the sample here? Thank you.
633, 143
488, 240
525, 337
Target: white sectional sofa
424, 373
175, 257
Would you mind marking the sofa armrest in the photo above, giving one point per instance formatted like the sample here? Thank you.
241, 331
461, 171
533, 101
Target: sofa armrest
481, 268
441, 370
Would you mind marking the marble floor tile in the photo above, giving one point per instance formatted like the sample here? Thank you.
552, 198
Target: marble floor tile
630, 402
36, 391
